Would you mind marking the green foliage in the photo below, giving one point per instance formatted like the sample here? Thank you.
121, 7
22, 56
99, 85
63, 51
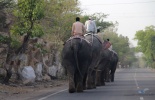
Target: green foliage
6, 4
146, 43
60, 15
28, 14
15, 43
40, 46
37, 31
4, 39
30, 9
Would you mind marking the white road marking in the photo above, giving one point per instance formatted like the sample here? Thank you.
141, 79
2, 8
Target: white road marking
141, 98
136, 81
43, 98
146, 89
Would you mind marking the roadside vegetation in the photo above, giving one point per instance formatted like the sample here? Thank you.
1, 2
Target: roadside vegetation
37, 29
146, 45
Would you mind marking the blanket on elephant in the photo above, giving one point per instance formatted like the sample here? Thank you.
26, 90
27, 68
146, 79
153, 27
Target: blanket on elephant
78, 37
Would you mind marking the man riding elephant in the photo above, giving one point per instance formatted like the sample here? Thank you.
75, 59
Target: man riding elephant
90, 26
76, 57
78, 28
96, 47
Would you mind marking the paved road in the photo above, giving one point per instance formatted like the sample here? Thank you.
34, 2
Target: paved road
130, 84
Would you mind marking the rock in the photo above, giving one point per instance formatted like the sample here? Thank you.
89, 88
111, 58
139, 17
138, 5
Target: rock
46, 77
28, 75
38, 72
2, 72
53, 71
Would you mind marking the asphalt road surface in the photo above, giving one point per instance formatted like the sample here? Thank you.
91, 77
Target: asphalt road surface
130, 84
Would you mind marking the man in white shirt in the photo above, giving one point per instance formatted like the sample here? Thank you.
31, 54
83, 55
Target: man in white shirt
90, 26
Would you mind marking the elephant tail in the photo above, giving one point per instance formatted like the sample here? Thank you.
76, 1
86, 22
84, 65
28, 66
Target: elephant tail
75, 50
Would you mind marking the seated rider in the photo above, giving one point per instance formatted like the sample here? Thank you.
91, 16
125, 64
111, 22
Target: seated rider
109, 45
78, 28
90, 26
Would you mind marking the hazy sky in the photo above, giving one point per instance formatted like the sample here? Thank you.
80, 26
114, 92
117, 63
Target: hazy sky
132, 15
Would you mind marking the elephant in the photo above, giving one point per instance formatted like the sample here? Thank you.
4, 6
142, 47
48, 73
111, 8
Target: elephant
107, 63
111, 68
96, 48
76, 58
101, 69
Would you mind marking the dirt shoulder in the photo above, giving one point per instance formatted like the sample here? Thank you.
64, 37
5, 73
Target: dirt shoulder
31, 91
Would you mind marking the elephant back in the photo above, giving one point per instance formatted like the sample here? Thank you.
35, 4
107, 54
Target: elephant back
82, 38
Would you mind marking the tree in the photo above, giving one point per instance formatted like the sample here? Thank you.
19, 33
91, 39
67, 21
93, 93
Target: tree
59, 17
5, 38
6, 4
146, 43
27, 14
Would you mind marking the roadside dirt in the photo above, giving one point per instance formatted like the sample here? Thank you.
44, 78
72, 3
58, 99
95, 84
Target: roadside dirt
32, 91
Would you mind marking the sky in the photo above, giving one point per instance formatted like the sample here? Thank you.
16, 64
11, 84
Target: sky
132, 15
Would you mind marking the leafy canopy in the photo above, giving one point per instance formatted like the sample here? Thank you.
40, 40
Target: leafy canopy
146, 42
28, 13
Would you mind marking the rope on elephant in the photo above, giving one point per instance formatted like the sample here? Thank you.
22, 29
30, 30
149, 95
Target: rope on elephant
99, 70
92, 68
79, 37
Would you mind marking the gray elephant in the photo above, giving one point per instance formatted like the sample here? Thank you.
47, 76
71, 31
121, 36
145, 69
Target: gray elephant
106, 65
101, 69
96, 45
76, 57
111, 68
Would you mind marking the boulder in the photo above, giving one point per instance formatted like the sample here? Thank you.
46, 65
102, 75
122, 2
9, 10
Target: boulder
28, 75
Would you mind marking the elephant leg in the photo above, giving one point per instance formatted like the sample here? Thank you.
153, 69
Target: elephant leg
89, 79
79, 82
102, 78
71, 84
93, 79
71, 80
84, 81
98, 78
112, 77
82, 75
112, 74
107, 75
79, 87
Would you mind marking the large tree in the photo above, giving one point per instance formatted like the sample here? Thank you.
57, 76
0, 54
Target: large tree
5, 36
146, 43
59, 17
26, 22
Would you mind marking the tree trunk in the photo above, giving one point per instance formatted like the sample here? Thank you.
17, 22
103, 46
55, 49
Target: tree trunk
8, 76
9, 62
